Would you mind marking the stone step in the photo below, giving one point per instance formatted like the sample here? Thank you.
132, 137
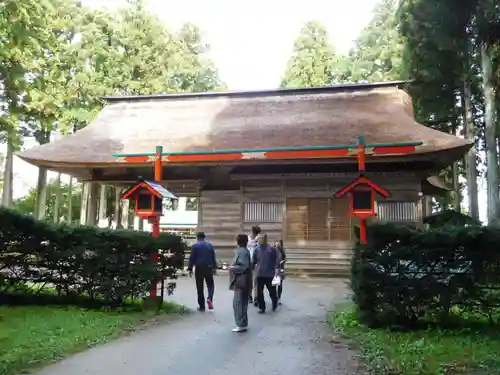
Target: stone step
319, 256
317, 263
320, 275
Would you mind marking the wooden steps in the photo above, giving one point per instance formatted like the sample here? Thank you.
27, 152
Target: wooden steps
318, 262
314, 262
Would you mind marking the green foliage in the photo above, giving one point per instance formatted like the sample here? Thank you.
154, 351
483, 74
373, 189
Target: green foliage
32, 336
104, 265
409, 277
449, 218
312, 61
27, 204
431, 352
377, 52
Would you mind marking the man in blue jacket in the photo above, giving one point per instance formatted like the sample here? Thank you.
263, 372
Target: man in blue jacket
202, 258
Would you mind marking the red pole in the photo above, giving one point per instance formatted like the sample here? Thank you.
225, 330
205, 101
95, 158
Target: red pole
156, 220
361, 158
362, 230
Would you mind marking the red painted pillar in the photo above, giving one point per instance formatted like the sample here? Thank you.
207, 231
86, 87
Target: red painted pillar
362, 230
156, 220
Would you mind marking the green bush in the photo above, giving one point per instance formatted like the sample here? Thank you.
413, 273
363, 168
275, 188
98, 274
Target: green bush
100, 264
408, 277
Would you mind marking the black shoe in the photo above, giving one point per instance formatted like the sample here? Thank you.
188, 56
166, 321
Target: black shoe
250, 299
201, 309
262, 311
275, 306
256, 304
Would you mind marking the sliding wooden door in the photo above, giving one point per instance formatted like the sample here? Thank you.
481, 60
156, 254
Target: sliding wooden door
317, 220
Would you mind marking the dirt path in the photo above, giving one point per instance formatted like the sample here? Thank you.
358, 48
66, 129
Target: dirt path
295, 340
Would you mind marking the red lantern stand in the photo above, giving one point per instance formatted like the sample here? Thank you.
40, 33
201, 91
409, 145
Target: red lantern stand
362, 191
148, 196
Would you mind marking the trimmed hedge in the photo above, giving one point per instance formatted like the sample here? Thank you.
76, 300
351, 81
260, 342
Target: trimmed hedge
409, 277
101, 264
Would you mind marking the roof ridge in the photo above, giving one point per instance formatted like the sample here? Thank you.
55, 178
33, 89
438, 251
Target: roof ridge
341, 87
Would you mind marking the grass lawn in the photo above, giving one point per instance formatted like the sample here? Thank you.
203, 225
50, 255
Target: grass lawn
31, 336
430, 352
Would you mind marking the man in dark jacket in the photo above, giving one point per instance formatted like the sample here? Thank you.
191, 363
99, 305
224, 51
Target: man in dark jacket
202, 258
266, 262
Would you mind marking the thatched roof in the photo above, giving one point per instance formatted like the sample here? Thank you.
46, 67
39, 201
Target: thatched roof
281, 118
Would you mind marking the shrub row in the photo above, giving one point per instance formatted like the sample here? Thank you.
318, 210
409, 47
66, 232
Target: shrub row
405, 276
100, 264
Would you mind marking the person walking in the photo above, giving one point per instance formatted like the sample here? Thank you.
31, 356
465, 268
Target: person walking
253, 244
281, 269
202, 258
265, 261
241, 283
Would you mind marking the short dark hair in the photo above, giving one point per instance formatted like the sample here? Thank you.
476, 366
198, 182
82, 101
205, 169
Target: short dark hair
200, 235
242, 239
256, 229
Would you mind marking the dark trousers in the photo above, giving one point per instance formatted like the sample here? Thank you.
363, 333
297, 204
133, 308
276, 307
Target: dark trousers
204, 275
268, 283
280, 289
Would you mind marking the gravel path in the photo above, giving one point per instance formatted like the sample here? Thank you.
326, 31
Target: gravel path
295, 340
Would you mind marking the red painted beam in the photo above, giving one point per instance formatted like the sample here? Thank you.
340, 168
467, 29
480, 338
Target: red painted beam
389, 150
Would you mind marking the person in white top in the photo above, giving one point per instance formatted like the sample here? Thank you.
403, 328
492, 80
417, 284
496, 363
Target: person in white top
253, 243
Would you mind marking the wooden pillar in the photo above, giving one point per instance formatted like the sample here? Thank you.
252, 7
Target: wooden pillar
283, 215
70, 200
125, 213
57, 203
92, 203
118, 208
200, 207
103, 202
242, 206
84, 205
427, 205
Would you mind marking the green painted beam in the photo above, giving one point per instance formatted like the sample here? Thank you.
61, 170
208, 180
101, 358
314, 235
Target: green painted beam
275, 149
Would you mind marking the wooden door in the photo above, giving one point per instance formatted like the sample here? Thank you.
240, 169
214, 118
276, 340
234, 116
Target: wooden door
296, 219
339, 220
317, 220
317, 223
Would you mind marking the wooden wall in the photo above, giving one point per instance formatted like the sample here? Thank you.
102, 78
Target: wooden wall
262, 192
220, 216
222, 212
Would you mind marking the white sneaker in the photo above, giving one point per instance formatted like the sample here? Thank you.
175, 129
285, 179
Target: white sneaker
239, 329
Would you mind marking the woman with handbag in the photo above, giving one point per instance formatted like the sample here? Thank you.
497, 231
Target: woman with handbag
241, 283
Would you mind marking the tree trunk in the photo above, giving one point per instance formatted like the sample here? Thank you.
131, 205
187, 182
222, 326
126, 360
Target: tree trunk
470, 158
490, 119
8, 175
93, 201
57, 202
41, 194
42, 137
70, 201
454, 173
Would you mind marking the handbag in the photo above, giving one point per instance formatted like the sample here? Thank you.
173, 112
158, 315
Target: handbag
241, 282
276, 281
